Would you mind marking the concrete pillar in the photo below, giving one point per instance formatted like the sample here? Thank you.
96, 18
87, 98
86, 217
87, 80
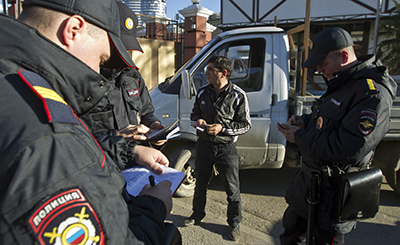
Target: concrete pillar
197, 30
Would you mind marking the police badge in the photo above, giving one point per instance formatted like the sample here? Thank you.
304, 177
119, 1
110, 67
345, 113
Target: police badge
319, 123
367, 121
66, 218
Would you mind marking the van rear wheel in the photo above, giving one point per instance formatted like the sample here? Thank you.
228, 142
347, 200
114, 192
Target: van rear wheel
387, 158
182, 159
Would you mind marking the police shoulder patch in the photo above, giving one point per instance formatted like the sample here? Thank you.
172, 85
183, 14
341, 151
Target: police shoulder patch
367, 121
371, 84
64, 218
57, 110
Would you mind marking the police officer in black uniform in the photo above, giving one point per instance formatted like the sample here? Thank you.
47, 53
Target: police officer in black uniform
345, 126
57, 185
126, 109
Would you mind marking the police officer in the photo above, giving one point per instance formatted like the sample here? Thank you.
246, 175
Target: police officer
220, 114
345, 126
126, 110
57, 184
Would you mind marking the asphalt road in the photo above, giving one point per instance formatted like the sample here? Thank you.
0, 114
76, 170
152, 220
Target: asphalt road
262, 192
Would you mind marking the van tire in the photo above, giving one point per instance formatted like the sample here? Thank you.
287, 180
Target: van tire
387, 158
182, 159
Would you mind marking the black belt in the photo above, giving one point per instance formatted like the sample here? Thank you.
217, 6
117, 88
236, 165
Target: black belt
326, 172
308, 170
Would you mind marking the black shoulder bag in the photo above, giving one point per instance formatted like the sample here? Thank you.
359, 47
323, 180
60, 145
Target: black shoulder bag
358, 195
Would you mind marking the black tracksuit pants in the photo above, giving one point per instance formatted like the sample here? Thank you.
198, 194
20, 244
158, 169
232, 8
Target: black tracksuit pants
225, 158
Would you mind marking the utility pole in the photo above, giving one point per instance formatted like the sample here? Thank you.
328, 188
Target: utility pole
305, 45
5, 7
377, 18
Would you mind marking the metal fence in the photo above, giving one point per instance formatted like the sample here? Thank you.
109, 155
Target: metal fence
163, 29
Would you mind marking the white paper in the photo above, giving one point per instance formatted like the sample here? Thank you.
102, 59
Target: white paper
137, 177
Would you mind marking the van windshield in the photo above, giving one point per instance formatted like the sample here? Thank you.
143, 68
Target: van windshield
165, 86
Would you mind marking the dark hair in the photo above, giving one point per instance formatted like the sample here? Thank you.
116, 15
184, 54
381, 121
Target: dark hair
222, 63
38, 17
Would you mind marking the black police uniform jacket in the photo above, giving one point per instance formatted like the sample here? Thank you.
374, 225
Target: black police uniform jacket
345, 126
230, 109
55, 181
127, 101
131, 88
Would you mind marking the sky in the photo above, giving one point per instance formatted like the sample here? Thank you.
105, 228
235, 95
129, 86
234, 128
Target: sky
174, 5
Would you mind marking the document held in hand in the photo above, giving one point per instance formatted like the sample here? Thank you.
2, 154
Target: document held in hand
166, 133
137, 177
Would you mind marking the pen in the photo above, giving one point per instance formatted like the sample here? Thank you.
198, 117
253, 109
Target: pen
151, 179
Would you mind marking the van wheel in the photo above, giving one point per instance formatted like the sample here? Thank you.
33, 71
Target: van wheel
387, 158
182, 159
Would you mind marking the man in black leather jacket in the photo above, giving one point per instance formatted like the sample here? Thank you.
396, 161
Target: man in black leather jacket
220, 114
56, 183
345, 126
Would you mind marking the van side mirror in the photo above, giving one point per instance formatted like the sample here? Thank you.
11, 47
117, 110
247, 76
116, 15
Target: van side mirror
189, 90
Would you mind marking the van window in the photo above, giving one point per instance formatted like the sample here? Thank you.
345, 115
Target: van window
247, 62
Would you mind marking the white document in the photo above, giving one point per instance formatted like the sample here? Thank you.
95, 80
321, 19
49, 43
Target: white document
137, 177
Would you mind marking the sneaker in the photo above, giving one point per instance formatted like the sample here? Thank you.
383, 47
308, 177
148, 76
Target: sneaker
234, 233
190, 222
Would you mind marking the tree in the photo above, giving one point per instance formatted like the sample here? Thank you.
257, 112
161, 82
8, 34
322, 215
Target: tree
389, 48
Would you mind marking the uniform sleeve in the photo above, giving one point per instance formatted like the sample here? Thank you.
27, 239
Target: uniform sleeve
241, 122
119, 149
306, 119
351, 141
58, 164
143, 211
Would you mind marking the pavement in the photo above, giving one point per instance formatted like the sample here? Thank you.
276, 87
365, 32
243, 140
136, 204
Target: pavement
213, 229
263, 204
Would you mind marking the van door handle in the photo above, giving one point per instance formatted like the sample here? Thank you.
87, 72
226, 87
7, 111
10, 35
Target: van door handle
274, 101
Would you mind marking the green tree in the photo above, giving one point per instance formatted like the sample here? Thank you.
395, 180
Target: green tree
389, 48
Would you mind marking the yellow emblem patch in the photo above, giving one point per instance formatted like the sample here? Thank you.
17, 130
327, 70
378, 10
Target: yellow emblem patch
371, 84
129, 23
49, 94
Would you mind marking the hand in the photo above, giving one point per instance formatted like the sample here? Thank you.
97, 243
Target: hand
296, 121
201, 123
162, 191
150, 158
287, 131
157, 125
214, 129
134, 132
